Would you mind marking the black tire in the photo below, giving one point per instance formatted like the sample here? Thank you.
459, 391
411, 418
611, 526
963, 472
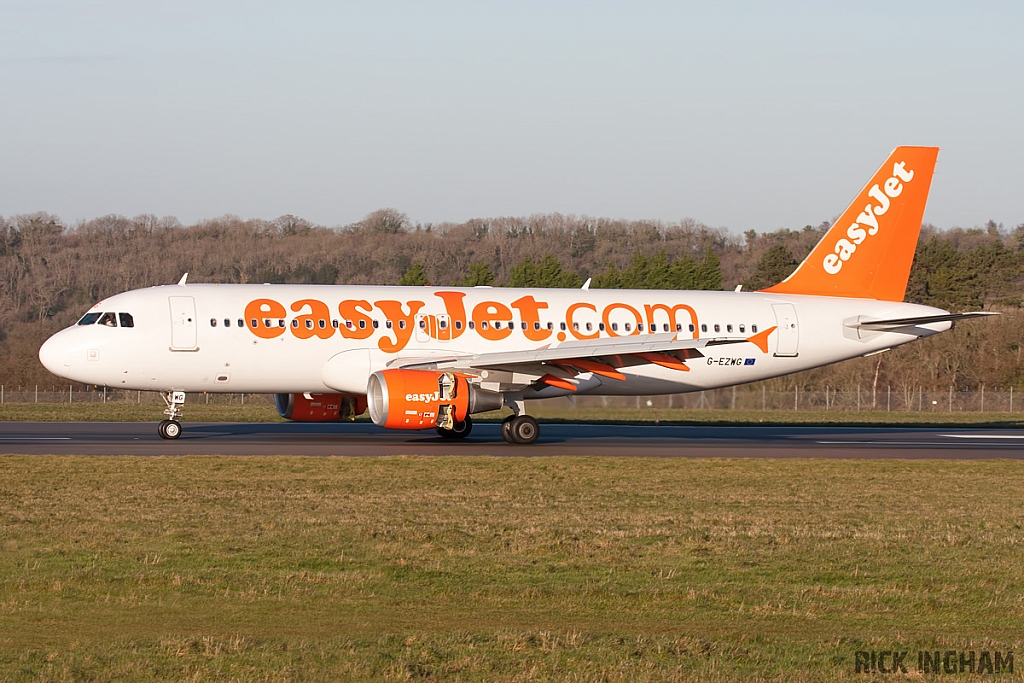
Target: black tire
461, 431
169, 429
525, 429
506, 429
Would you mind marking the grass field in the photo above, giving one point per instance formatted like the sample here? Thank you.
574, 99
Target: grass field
263, 411
483, 569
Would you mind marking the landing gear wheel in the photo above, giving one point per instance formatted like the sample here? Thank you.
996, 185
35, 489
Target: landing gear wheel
524, 429
169, 429
506, 429
461, 430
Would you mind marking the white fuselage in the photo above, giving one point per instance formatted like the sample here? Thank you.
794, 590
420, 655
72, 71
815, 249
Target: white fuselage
291, 336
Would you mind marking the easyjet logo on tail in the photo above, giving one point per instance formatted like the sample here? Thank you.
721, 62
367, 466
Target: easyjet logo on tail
845, 247
868, 252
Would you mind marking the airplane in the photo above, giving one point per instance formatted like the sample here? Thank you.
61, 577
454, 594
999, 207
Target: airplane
431, 357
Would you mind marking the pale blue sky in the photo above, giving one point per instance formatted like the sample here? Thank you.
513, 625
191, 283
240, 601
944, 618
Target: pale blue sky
740, 115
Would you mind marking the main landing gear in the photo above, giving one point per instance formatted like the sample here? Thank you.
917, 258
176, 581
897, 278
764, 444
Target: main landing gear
171, 428
519, 428
459, 430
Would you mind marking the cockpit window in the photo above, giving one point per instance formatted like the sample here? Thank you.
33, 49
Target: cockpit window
108, 319
126, 319
89, 318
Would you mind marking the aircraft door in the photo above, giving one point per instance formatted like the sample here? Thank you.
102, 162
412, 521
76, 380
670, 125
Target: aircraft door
789, 330
183, 323
444, 332
422, 334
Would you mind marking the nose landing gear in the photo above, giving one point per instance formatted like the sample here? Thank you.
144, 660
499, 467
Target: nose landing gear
171, 428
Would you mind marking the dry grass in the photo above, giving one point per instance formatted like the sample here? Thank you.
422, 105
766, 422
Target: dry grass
499, 569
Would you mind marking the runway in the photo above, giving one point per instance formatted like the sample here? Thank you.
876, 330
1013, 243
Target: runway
364, 439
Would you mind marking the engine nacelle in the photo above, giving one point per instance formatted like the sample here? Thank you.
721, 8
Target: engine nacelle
319, 407
424, 399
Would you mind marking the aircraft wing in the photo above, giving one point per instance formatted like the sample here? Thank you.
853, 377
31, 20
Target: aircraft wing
556, 365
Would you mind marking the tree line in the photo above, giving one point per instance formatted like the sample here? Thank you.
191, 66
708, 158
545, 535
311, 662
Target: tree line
50, 272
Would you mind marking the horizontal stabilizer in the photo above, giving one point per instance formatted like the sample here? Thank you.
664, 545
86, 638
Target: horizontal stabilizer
894, 323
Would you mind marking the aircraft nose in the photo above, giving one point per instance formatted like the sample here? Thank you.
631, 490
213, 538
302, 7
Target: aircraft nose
55, 355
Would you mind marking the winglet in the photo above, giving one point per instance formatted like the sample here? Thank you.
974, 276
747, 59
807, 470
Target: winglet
868, 252
184, 278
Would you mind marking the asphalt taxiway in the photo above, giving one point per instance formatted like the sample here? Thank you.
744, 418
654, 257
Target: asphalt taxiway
363, 439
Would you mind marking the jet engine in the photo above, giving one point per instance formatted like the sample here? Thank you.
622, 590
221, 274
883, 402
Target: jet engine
425, 399
319, 407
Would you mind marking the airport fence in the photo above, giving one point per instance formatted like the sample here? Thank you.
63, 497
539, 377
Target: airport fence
886, 399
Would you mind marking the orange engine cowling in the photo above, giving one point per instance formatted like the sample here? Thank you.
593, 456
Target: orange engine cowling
424, 399
319, 407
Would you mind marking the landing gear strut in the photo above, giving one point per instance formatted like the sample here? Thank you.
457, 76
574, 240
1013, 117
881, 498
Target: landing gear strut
171, 428
459, 430
519, 428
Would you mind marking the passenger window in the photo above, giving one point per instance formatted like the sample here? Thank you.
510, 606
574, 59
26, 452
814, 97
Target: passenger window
718, 328
483, 324
444, 324
213, 322
471, 324
458, 324
323, 324
600, 326
362, 324
423, 324
255, 323
241, 323
628, 327
575, 326
376, 324
497, 324
551, 326
295, 322
589, 327
704, 327
639, 327
266, 322
89, 318
401, 324
536, 326
309, 324
280, 323
334, 324
615, 327
387, 324
227, 322
523, 325
126, 319
753, 328
691, 327
348, 324
728, 328
743, 329
561, 326
108, 319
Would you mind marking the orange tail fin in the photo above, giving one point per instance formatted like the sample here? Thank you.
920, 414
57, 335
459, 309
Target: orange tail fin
868, 252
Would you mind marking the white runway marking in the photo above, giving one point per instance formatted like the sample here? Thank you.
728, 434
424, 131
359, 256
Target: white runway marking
983, 436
